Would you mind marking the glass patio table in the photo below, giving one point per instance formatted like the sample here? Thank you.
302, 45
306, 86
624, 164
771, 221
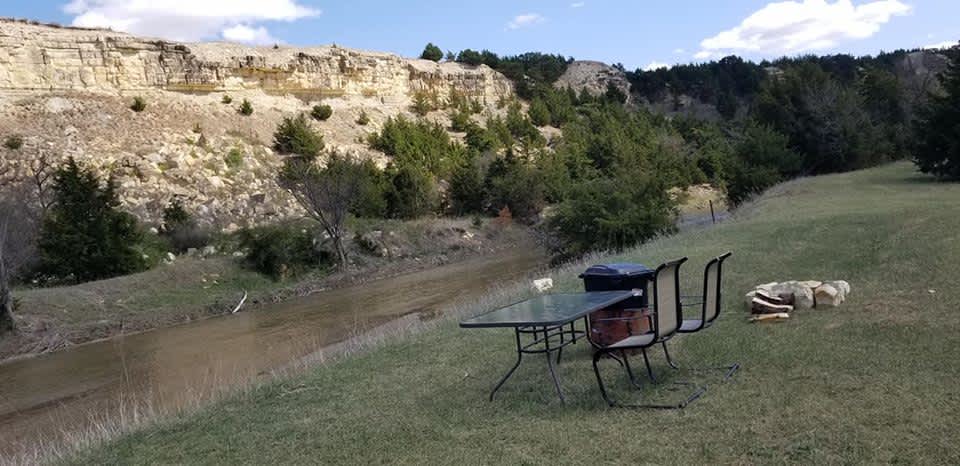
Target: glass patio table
549, 320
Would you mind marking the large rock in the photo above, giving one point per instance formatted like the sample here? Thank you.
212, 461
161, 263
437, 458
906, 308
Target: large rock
795, 293
841, 286
827, 295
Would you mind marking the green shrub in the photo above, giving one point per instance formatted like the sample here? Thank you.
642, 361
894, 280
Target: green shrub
13, 142
246, 108
363, 119
282, 251
412, 193
422, 104
321, 112
422, 144
371, 199
180, 228
479, 138
460, 120
466, 189
539, 113
226, 100
515, 185
476, 106
138, 104
522, 129
612, 214
175, 215
84, 235
938, 144
432, 52
234, 158
761, 159
295, 136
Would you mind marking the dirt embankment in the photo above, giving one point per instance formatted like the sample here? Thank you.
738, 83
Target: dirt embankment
191, 288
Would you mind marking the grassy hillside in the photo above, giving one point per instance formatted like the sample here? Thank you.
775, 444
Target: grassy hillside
872, 381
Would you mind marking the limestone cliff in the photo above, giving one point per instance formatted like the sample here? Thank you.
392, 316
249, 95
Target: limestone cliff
43, 58
67, 92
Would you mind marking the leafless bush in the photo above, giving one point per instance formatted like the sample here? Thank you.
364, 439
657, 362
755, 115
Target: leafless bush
18, 232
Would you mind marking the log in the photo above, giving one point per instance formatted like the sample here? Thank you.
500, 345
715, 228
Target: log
770, 317
770, 298
760, 306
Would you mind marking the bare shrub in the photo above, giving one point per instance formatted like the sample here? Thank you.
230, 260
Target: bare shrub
18, 232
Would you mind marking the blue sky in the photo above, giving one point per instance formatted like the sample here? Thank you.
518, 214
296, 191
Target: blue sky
634, 32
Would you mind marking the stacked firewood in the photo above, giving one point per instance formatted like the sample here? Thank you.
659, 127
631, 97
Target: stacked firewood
775, 301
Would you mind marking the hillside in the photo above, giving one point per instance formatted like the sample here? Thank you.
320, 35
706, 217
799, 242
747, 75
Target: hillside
67, 91
865, 382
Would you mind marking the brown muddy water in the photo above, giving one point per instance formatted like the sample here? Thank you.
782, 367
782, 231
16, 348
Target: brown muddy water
42, 399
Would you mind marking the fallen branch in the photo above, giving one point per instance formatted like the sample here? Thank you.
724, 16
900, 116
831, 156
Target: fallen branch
770, 317
240, 304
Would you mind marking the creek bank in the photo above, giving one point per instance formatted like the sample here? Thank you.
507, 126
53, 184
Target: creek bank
193, 288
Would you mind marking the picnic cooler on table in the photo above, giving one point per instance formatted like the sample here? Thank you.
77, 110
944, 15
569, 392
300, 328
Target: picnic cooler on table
615, 277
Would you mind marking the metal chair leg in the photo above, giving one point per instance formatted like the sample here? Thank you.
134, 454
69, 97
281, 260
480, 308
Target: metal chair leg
633, 378
667, 353
646, 360
596, 370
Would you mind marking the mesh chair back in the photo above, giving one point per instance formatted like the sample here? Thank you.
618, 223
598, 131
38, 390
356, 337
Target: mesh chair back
666, 298
711, 288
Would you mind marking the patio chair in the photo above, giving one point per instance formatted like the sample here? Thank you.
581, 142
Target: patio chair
709, 302
667, 317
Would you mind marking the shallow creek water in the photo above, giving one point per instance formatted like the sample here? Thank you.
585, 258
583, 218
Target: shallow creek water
47, 396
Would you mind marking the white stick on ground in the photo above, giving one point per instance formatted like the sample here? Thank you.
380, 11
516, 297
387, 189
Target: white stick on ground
240, 304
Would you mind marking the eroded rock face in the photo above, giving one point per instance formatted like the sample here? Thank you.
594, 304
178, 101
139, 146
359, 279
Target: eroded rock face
593, 77
67, 93
43, 58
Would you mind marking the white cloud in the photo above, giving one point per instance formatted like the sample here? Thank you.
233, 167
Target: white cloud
525, 20
578, 4
655, 65
247, 34
679, 51
942, 45
792, 27
189, 20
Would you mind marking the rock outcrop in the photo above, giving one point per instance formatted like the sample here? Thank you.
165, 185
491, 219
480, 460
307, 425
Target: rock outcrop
67, 92
593, 77
43, 58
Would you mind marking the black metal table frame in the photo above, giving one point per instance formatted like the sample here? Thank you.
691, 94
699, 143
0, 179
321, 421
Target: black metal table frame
542, 345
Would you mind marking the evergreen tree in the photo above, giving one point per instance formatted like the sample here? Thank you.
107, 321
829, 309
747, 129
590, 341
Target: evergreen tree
295, 136
84, 234
466, 188
539, 113
413, 193
938, 131
432, 52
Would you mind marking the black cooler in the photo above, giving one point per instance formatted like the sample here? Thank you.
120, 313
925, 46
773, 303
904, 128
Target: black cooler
609, 325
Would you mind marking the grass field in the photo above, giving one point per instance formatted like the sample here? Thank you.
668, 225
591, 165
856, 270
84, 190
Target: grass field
873, 381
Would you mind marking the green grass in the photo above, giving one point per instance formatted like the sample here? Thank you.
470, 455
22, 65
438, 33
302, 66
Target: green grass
873, 381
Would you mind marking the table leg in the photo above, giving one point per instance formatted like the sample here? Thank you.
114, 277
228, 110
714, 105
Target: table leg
560, 351
553, 372
512, 369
